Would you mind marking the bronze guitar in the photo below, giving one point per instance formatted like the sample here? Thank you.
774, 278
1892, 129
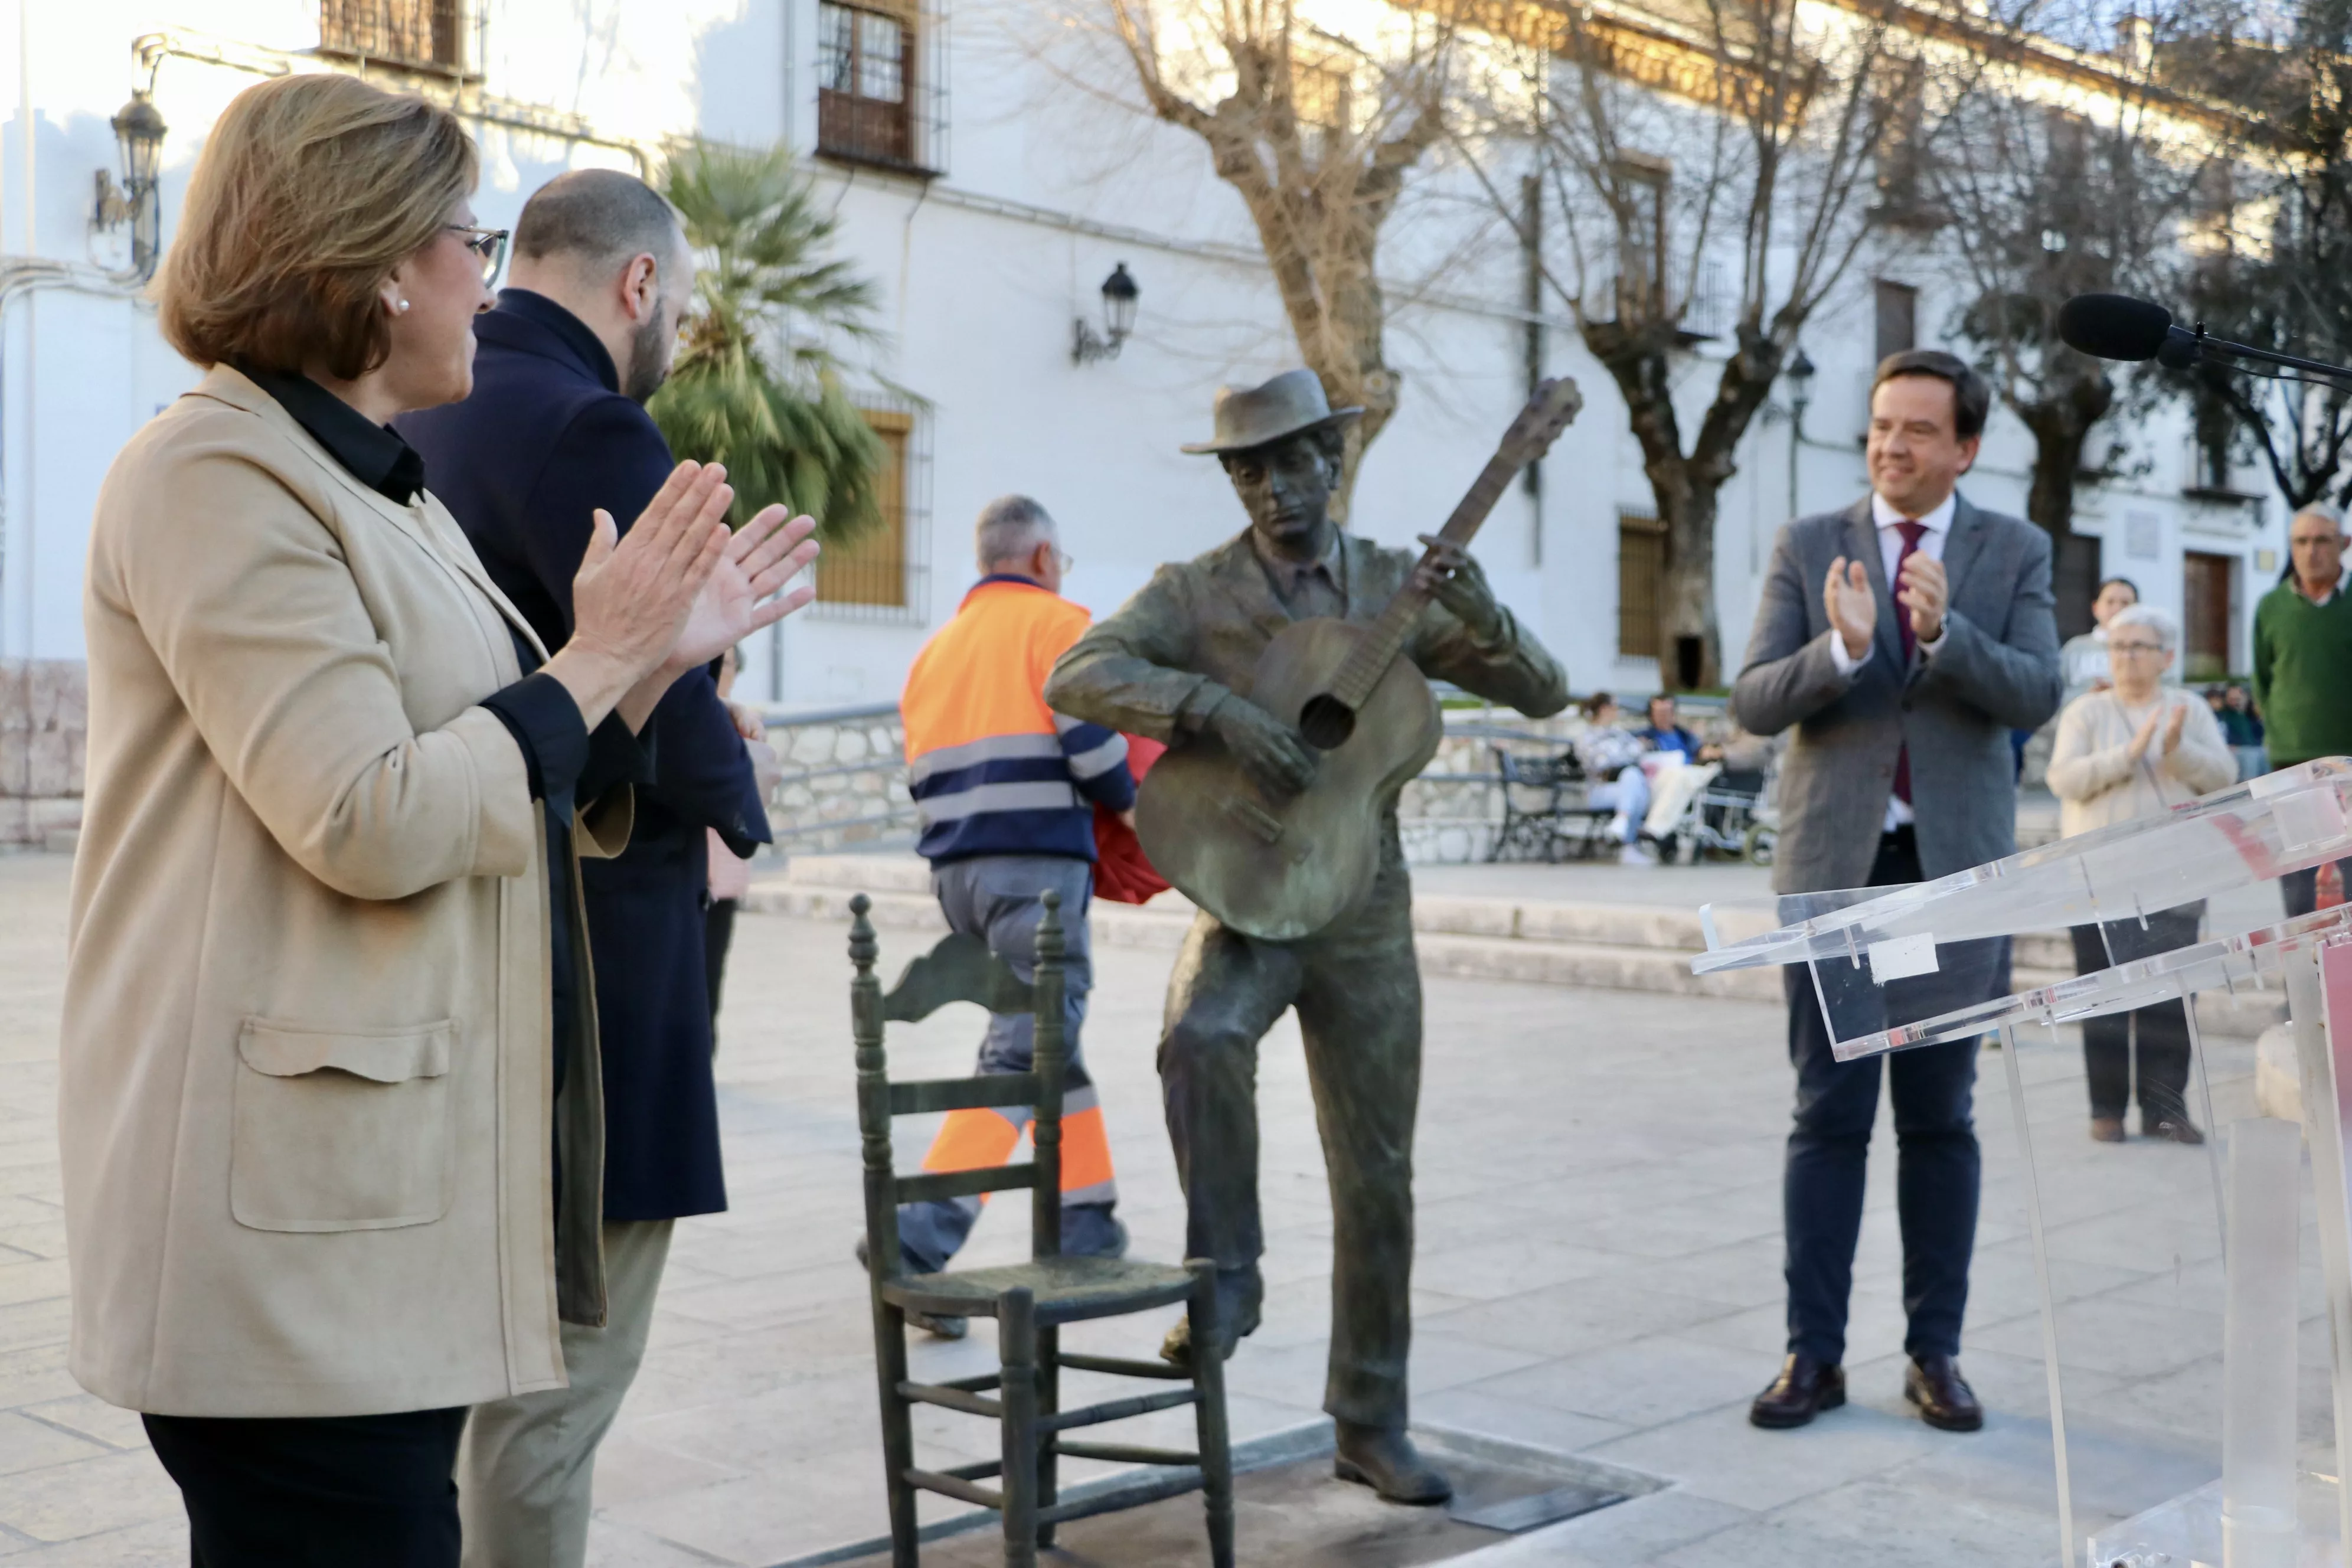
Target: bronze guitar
1283, 868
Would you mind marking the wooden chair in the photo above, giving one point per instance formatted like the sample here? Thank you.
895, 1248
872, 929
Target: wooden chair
1030, 1302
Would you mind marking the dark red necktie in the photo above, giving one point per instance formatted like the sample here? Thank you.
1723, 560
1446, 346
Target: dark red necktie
1911, 533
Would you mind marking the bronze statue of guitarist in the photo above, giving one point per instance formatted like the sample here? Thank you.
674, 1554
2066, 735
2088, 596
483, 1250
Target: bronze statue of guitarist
1176, 663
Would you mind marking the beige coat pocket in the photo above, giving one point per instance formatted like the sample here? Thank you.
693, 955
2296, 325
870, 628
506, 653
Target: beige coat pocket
341, 1130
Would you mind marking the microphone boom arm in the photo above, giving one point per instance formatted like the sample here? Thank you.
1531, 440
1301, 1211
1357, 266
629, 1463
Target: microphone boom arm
2182, 349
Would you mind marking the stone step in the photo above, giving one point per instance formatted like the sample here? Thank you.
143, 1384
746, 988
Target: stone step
1614, 966
1643, 926
1619, 947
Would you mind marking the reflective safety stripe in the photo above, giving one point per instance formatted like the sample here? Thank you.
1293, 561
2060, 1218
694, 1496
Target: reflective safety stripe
989, 749
997, 797
1086, 1151
975, 1140
1100, 760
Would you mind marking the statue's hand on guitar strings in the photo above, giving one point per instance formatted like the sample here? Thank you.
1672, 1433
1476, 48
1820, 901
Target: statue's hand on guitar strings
1455, 580
1277, 759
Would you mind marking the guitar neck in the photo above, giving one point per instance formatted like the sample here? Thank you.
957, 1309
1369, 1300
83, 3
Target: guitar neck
1370, 661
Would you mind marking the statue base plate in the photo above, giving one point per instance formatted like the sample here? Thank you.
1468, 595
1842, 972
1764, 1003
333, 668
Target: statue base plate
1293, 1510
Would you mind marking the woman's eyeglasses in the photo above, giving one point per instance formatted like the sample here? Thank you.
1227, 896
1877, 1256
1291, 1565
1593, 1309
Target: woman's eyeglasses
489, 245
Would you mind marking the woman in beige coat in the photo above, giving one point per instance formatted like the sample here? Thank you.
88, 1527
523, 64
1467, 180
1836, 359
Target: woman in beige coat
327, 1014
2137, 749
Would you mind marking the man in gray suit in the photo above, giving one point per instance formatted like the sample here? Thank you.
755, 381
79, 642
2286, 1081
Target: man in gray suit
1900, 771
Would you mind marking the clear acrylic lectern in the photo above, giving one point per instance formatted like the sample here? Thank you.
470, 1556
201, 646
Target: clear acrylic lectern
2194, 1322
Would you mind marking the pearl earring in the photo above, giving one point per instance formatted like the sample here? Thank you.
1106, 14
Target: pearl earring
400, 305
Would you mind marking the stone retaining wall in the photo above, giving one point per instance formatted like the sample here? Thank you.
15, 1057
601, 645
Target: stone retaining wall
44, 726
843, 784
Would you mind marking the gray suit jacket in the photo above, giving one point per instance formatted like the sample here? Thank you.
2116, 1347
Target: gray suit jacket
1996, 671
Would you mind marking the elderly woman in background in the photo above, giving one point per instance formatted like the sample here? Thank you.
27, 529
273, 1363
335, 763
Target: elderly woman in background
1610, 756
2133, 750
326, 1013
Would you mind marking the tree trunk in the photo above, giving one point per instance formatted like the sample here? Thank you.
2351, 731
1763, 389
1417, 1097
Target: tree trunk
2061, 424
1348, 356
1636, 360
1690, 643
1687, 488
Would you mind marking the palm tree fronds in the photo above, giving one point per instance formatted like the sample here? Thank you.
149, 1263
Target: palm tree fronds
760, 385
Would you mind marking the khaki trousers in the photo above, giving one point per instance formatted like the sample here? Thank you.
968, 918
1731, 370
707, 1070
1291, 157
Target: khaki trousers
526, 1464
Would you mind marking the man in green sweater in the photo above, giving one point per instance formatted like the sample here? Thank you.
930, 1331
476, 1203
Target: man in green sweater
2302, 666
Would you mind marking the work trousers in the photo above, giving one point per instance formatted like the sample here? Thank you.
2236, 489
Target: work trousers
529, 1463
1001, 900
1938, 1166
1359, 999
322, 1491
2160, 1030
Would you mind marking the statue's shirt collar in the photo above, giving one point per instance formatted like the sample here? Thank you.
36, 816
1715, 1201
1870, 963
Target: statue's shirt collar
1305, 587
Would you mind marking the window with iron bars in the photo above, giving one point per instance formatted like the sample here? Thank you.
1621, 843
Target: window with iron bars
882, 84
420, 35
885, 574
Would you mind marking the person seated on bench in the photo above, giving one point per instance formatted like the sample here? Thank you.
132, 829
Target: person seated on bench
1611, 759
1664, 732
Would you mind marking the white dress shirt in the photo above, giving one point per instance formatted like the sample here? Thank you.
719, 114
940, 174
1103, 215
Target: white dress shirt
1939, 525
2330, 595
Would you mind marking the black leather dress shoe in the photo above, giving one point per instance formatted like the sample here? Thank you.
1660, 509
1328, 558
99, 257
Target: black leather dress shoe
1804, 1389
1384, 1459
1946, 1402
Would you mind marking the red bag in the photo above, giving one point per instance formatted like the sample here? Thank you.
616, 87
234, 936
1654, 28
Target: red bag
1123, 874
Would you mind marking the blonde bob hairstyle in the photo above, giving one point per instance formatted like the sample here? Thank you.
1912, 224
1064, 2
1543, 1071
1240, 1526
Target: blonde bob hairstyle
310, 191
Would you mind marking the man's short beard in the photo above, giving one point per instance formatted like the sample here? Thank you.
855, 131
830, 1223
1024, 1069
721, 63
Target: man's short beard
649, 367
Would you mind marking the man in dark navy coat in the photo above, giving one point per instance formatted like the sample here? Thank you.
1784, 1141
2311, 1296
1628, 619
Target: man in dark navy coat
555, 429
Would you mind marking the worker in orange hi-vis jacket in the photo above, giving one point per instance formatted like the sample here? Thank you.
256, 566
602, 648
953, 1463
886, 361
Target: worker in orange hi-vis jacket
1006, 789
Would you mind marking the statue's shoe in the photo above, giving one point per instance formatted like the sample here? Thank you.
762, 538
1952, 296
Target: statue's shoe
1176, 1350
1384, 1459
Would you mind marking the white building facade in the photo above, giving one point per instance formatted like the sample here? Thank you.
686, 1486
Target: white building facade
988, 198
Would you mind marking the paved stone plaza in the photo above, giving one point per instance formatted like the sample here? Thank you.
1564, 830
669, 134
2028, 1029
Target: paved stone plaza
1598, 1273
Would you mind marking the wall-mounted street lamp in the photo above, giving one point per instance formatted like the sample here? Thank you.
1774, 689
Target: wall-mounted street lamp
139, 131
1799, 373
1120, 294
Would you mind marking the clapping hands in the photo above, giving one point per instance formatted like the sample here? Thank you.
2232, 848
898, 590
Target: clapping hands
2149, 731
1852, 607
673, 591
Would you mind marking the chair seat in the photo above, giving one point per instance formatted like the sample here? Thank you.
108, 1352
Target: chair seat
1066, 1289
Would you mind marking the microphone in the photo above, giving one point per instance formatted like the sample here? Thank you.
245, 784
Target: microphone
2118, 327
2115, 326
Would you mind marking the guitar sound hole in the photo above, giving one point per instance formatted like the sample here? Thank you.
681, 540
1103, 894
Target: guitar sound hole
1327, 722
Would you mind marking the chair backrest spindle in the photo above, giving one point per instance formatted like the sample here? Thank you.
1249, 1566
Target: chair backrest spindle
1045, 1115
873, 1096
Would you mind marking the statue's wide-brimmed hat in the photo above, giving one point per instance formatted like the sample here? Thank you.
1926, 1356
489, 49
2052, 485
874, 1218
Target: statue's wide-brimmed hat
1251, 417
